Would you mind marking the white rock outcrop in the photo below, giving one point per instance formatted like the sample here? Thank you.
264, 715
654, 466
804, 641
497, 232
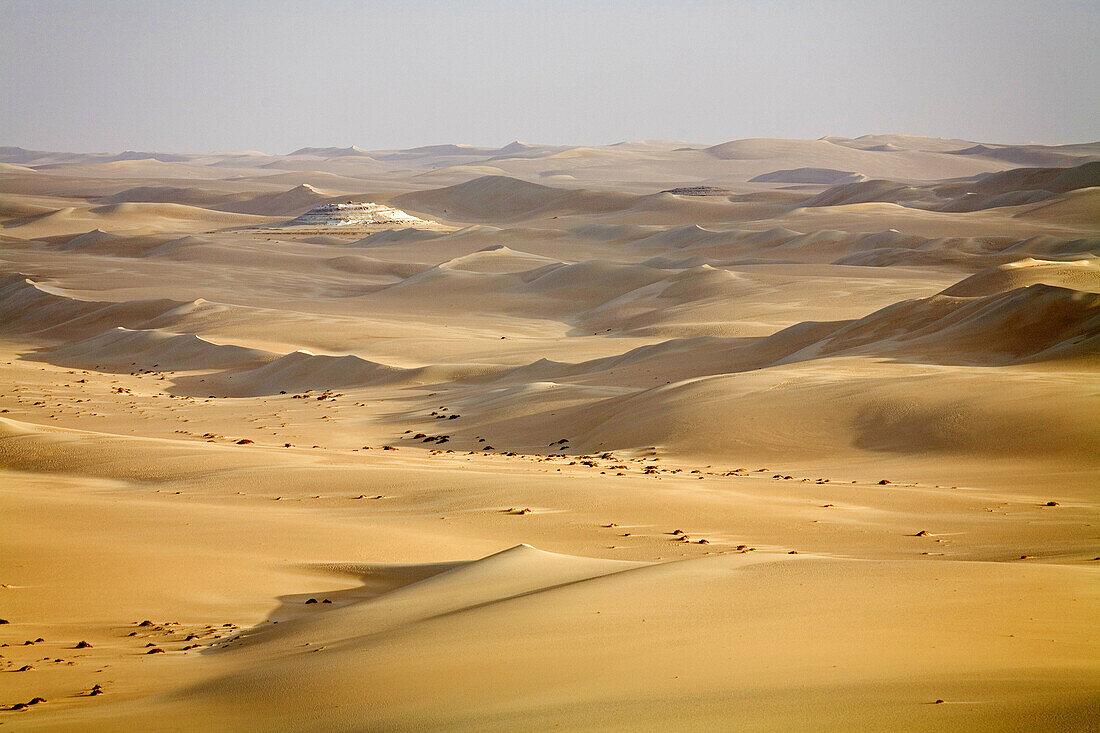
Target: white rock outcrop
355, 212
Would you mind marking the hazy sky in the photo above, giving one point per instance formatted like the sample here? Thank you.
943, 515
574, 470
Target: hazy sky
190, 75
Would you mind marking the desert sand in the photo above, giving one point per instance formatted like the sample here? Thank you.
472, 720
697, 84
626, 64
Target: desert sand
763, 435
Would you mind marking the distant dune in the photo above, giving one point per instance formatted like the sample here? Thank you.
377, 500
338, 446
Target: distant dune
808, 175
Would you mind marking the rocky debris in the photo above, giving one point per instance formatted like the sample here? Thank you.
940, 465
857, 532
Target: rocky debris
25, 705
699, 191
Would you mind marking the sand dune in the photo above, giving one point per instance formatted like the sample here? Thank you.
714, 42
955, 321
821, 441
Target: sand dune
770, 434
302, 370
332, 152
297, 200
126, 217
187, 195
1041, 155
499, 198
1081, 275
1032, 322
808, 175
901, 162
1080, 207
31, 307
1016, 187
151, 349
752, 416
862, 597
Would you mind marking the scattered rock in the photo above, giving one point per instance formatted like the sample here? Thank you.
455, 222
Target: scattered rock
82, 645
699, 191
155, 651
311, 600
25, 705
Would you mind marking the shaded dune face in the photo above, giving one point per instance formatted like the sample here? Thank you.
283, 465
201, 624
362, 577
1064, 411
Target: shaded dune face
769, 434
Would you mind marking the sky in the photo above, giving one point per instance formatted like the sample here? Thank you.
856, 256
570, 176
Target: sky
196, 75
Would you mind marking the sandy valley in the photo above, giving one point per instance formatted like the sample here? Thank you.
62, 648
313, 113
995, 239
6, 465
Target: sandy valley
770, 434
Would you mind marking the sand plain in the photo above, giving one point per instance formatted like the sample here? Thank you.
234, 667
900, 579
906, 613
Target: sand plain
814, 450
